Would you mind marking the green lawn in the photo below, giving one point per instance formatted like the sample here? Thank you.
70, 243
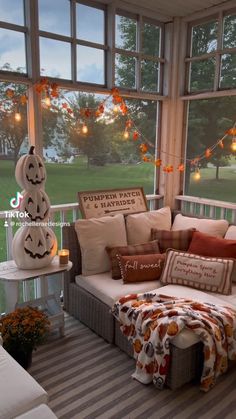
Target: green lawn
223, 189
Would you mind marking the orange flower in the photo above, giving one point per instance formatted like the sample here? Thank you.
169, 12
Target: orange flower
168, 169
123, 108
101, 108
128, 124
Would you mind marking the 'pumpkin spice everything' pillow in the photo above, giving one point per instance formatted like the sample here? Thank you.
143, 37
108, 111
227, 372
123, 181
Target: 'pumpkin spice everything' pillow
139, 268
179, 239
138, 249
204, 273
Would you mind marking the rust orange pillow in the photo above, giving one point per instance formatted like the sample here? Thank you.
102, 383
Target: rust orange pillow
138, 268
135, 249
206, 245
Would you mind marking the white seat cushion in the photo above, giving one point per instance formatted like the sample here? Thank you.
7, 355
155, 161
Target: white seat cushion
108, 290
19, 392
39, 412
188, 338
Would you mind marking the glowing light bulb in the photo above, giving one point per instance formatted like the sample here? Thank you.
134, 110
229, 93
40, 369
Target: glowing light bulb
115, 109
197, 175
18, 116
84, 129
233, 145
47, 101
126, 135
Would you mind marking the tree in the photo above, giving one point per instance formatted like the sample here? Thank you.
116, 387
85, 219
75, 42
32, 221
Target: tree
12, 132
92, 144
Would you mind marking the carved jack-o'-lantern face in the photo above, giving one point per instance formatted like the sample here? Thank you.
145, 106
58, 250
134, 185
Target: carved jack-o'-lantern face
30, 171
34, 247
36, 204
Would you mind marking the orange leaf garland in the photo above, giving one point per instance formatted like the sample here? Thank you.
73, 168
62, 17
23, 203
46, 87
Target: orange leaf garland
208, 153
158, 162
143, 148
180, 167
135, 135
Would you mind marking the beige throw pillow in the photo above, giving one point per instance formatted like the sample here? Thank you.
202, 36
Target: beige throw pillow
212, 227
231, 233
204, 273
139, 226
94, 236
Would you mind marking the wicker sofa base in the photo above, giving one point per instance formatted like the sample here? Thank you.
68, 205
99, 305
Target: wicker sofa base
92, 312
186, 364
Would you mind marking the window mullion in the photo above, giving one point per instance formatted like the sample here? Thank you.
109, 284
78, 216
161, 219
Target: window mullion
139, 49
218, 56
110, 61
35, 130
73, 43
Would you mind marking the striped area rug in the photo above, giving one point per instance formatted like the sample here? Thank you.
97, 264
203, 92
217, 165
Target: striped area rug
87, 378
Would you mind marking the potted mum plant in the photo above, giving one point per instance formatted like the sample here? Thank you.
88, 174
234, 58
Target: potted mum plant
22, 331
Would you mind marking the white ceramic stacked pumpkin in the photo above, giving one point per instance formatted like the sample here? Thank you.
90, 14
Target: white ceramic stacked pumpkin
34, 246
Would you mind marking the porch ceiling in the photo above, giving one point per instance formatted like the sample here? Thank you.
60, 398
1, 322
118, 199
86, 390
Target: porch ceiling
167, 9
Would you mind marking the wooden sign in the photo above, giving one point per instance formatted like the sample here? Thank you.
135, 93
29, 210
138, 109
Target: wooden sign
112, 201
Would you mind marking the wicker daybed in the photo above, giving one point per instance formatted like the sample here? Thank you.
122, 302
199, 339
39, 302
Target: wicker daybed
186, 364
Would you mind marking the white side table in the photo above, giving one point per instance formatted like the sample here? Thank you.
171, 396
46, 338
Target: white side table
11, 275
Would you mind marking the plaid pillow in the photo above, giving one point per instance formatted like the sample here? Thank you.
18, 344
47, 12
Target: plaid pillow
136, 249
179, 239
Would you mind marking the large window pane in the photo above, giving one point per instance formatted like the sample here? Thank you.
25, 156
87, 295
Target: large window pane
228, 71
55, 58
204, 38
202, 74
102, 158
12, 51
208, 120
90, 65
90, 23
126, 33
125, 71
13, 143
229, 36
12, 11
151, 39
54, 16
150, 75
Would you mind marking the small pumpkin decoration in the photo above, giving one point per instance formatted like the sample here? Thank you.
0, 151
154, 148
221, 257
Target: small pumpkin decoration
34, 247
30, 171
37, 205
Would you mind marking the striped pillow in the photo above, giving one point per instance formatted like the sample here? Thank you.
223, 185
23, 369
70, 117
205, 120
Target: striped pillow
203, 273
179, 239
135, 249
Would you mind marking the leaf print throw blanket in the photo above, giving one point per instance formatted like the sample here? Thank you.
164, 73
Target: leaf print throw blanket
151, 321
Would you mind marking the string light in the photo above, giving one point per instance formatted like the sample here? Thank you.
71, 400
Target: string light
47, 101
50, 90
233, 145
197, 175
17, 116
84, 129
126, 135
